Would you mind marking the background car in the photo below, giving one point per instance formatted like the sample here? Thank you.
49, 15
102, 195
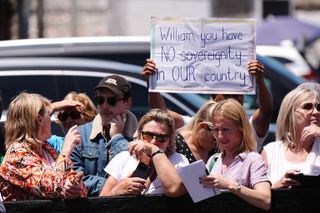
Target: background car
54, 77
54, 67
291, 58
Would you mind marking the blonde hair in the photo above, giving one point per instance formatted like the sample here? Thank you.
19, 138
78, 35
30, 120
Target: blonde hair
21, 124
162, 117
287, 121
88, 109
204, 114
233, 110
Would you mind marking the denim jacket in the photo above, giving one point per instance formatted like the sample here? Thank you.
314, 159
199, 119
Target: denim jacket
91, 155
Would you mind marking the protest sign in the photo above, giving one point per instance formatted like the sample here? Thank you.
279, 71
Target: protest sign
202, 55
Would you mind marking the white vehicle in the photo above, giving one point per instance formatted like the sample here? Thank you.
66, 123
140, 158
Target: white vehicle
290, 57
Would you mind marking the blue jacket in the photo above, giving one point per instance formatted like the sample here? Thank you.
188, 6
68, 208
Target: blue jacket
91, 155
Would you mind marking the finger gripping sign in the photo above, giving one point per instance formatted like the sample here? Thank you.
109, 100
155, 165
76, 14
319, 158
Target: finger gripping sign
202, 55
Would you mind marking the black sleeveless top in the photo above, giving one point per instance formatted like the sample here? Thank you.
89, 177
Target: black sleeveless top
183, 148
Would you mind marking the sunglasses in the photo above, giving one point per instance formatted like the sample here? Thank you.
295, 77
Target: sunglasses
72, 114
149, 136
310, 106
99, 100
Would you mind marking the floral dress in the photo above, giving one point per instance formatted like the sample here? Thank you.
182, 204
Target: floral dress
24, 174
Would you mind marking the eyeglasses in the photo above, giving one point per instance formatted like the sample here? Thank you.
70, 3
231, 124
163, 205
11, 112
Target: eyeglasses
63, 116
110, 100
311, 106
149, 136
209, 127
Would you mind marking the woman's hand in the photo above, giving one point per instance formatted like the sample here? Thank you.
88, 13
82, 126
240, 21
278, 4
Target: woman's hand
72, 189
71, 139
140, 148
215, 180
286, 180
309, 133
129, 186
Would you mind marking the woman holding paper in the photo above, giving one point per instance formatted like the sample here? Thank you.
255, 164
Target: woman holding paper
156, 149
239, 168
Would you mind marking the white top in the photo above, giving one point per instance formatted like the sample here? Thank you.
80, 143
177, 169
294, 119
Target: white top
278, 165
123, 164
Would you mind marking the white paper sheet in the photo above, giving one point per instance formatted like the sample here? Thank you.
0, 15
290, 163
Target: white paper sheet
190, 177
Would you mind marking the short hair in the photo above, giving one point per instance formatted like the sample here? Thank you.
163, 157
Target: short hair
88, 109
233, 110
21, 124
162, 117
287, 121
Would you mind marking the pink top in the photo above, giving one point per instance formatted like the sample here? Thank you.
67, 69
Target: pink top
247, 168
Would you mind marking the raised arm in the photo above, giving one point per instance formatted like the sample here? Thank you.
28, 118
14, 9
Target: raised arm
155, 99
262, 116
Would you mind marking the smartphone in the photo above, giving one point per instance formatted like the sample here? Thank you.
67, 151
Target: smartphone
306, 180
142, 171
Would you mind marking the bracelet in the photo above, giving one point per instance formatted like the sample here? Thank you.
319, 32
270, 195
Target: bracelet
159, 151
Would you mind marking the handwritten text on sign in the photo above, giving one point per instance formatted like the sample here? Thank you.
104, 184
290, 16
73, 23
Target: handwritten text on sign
202, 55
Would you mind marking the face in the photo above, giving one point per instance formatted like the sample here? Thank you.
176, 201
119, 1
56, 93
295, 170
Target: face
69, 118
308, 113
156, 133
220, 97
227, 133
205, 136
110, 105
44, 125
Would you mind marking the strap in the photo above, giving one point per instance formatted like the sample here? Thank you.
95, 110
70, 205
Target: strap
213, 161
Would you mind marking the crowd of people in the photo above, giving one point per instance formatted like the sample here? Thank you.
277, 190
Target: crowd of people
107, 151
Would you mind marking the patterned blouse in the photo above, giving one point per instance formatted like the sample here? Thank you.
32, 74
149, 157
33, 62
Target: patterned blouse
24, 174
183, 148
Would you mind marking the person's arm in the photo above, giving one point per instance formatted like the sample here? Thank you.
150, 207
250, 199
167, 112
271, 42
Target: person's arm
259, 196
155, 99
168, 175
59, 105
166, 172
42, 180
262, 116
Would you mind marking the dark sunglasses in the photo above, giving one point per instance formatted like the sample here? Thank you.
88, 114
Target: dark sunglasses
99, 100
148, 136
73, 114
310, 106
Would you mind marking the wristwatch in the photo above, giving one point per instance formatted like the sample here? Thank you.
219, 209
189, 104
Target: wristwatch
159, 151
238, 188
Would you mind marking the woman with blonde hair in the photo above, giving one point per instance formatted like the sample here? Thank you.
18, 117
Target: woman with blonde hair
31, 168
296, 149
196, 140
239, 168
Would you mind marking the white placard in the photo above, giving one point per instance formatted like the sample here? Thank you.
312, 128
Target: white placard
202, 55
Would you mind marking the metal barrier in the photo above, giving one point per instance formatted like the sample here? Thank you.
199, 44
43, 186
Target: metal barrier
284, 200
